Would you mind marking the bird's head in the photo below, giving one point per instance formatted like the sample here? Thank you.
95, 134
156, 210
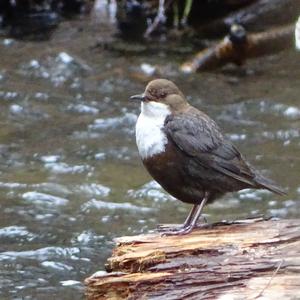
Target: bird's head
164, 94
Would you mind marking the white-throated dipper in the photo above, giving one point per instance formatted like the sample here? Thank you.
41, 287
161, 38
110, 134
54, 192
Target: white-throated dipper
186, 153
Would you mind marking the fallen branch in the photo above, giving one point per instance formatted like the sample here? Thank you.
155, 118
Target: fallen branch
238, 50
233, 260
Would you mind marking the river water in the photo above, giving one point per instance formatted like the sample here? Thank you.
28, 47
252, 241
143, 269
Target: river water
70, 177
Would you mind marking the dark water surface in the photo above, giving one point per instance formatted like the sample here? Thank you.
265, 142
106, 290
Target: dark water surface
70, 177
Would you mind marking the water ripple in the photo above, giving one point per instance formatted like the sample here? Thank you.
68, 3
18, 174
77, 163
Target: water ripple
92, 189
98, 204
64, 168
123, 122
16, 233
42, 254
44, 199
151, 190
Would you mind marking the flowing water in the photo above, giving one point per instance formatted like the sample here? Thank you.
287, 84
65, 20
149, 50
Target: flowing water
70, 177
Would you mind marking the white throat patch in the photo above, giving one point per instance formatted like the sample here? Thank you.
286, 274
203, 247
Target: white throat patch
297, 34
150, 138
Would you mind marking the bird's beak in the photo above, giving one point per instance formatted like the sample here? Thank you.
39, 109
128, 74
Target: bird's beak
140, 97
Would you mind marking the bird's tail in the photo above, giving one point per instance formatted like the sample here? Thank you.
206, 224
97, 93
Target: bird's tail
268, 184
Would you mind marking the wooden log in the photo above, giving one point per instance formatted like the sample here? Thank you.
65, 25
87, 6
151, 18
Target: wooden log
248, 259
230, 51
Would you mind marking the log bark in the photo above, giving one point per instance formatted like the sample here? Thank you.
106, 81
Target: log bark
247, 259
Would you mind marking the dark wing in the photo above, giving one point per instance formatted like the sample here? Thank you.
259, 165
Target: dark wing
199, 136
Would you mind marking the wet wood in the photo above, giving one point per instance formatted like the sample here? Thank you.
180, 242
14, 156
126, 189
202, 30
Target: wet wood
248, 259
228, 51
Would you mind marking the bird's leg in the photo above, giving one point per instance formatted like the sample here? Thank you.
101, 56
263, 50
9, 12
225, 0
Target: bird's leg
193, 222
190, 217
199, 211
187, 222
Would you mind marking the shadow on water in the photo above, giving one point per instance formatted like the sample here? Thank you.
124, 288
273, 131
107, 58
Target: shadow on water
70, 177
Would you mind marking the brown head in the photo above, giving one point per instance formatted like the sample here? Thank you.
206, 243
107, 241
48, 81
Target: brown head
163, 91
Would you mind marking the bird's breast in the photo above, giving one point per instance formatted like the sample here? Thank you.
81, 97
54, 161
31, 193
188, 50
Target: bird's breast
150, 138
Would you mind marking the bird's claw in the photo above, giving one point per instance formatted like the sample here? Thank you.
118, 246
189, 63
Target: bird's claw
173, 229
169, 227
179, 231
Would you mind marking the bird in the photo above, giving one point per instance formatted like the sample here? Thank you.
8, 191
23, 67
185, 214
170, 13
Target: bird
185, 151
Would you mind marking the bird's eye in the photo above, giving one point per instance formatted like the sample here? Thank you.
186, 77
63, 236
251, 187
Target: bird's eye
163, 95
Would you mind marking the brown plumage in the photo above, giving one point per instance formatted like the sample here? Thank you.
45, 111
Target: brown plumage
194, 161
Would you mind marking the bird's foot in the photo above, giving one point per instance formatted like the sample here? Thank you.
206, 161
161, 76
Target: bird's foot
169, 227
174, 229
204, 226
185, 230
179, 231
